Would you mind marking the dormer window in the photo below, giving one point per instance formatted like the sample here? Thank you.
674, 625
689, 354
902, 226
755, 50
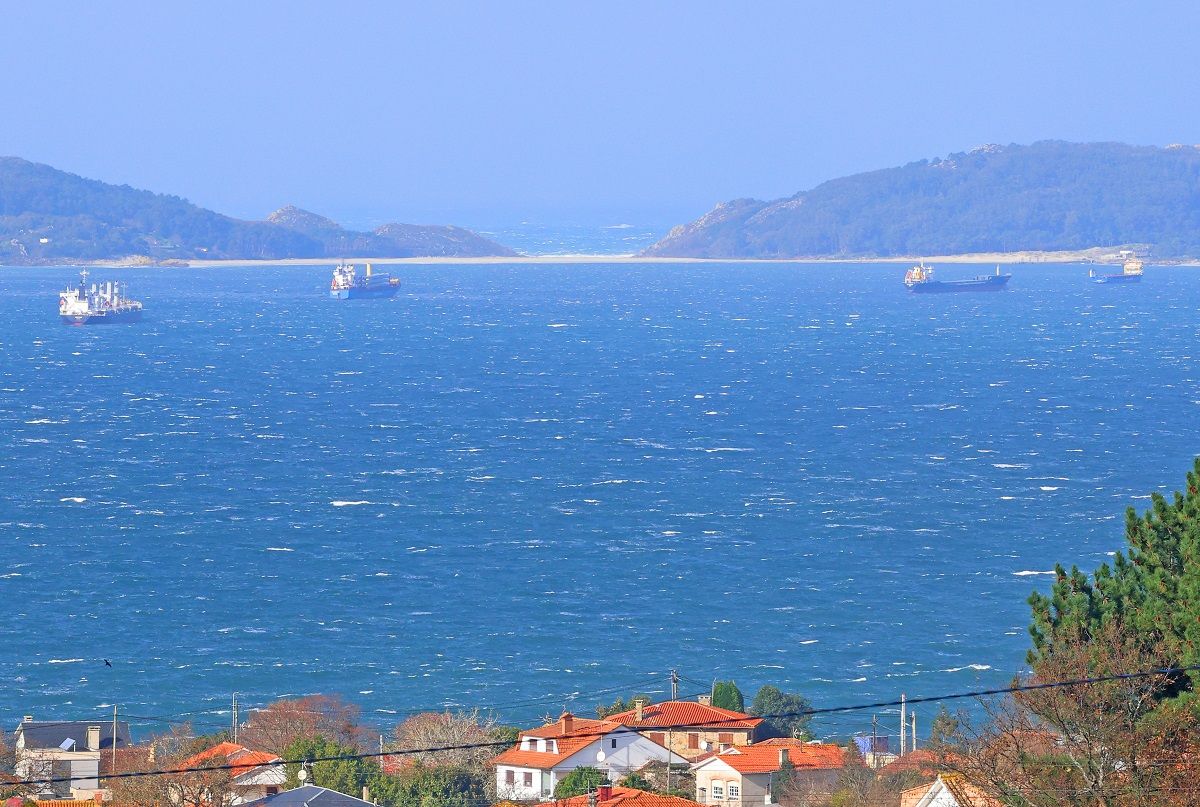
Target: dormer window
530, 744
552, 746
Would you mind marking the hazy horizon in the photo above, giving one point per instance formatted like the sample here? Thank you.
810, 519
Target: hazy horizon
621, 114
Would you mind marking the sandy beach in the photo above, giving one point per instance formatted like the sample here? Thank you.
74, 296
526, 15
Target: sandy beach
1094, 255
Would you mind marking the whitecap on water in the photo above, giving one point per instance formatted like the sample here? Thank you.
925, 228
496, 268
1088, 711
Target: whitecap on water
340, 503
76, 499
1027, 573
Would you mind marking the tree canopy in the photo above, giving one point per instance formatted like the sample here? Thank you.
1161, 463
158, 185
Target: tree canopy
1152, 589
771, 700
726, 695
579, 781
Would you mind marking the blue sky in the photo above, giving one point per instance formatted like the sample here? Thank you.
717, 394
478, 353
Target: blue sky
490, 113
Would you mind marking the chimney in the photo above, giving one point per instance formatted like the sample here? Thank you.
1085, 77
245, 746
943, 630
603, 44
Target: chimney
566, 723
604, 793
93, 738
639, 707
783, 757
705, 700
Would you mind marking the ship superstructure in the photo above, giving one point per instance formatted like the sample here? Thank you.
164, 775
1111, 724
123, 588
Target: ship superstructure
347, 285
97, 304
919, 280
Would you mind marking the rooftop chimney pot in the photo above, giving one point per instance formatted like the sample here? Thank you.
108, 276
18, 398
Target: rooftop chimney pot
566, 723
639, 707
604, 793
93, 738
705, 700
783, 757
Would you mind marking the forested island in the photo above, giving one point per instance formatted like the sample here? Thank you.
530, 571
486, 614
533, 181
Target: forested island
1047, 196
51, 216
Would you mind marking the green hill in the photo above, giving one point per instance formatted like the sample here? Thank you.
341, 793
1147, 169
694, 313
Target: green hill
1047, 196
50, 216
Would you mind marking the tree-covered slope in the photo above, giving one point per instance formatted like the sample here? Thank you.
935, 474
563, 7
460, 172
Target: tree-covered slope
47, 216
1047, 196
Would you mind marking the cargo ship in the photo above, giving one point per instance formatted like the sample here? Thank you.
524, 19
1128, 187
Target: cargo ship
102, 303
1131, 271
346, 285
920, 280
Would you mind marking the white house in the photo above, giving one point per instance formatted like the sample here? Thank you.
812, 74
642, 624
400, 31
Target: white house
744, 776
68, 750
542, 757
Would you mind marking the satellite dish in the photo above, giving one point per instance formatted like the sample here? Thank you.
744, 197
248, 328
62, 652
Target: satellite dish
599, 756
303, 774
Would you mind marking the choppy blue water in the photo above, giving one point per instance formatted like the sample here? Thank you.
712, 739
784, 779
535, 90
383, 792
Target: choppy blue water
516, 482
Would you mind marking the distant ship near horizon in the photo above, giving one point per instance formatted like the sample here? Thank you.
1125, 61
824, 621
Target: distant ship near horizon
346, 285
1131, 271
103, 303
919, 280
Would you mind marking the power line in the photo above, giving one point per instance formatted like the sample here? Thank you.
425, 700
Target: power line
707, 723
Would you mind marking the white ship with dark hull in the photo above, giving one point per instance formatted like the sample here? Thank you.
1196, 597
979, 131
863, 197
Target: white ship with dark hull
101, 303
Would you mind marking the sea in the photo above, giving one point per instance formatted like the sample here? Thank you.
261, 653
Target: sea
529, 488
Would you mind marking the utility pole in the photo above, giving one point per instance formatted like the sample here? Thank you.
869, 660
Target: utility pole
903, 721
674, 685
874, 740
914, 731
234, 722
381, 743
114, 740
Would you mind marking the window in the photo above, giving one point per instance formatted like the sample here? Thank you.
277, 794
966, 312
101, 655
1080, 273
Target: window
612, 743
658, 737
510, 777
530, 743
272, 790
718, 790
552, 746
693, 740
734, 791
725, 738
528, 779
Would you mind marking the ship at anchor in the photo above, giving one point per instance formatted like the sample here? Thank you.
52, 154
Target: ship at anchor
919, 280
99, 304
347, 285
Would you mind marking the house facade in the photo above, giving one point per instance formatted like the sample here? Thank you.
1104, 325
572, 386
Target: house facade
690, 728
532, 768
948, 790
68, 750
746, 776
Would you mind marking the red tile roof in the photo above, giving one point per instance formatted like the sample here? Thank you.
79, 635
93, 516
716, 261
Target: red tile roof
762, 758
579, 725
685, 714
626, 797
543, 759
238, 755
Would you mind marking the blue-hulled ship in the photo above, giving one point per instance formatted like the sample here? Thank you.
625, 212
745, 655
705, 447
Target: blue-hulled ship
920, 280
347, 285
1131, 271
99, 304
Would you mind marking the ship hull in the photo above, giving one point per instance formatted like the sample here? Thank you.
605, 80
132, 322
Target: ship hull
988, 283
383, 292
1104, 279
106, 318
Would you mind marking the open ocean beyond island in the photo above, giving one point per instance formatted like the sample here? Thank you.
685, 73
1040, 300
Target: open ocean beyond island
512, 483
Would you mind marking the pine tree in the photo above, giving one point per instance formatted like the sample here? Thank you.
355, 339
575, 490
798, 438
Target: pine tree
1152, 589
